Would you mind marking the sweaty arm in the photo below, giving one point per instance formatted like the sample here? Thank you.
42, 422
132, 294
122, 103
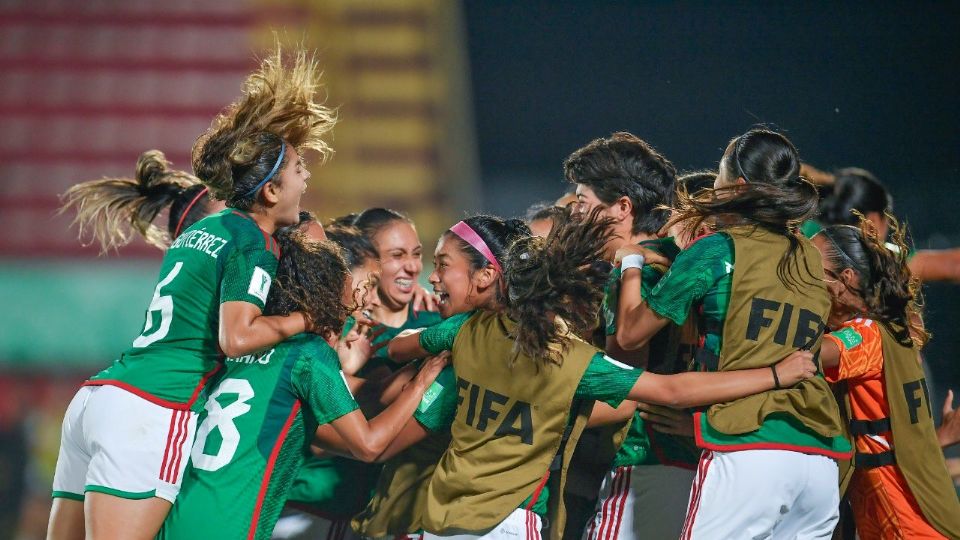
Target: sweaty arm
244, 288
636, 322
353, 435
936, 265
430, 340
691, 276
245, 329
696, 389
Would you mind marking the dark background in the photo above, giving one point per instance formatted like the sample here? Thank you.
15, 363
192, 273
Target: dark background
870, 85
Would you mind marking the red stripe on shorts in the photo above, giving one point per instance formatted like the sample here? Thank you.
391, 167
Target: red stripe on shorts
166, 451
697, 493
623, 500
183, 442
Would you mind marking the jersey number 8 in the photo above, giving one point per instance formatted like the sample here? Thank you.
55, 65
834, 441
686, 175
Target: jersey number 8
221, 418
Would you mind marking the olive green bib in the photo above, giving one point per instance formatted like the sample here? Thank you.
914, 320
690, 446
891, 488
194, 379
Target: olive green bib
916, 450
670, 352
397, 502
766, 321
510, 424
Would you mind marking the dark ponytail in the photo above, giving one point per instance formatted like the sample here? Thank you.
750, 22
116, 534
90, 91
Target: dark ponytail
556, 277
114, 208
854, 190
775, 197
887, 287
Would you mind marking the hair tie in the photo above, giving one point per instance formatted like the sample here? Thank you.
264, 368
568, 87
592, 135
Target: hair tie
183, 216
470, 236
273, 171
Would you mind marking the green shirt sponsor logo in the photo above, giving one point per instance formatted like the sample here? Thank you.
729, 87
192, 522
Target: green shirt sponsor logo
849, 337
430, 396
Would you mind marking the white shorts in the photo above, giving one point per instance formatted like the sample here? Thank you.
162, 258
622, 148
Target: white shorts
519, 525
643, 501
118, 443
767, 494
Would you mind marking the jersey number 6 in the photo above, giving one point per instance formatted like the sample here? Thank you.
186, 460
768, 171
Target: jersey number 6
163, 304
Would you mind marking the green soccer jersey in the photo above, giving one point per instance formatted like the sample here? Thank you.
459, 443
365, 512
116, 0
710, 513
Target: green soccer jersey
650, 275
702, 276
222, 258
604, 380
636, 448
340, 487
420, 319
251, 435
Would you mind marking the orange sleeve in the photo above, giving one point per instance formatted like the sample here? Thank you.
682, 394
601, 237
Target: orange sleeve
861, 351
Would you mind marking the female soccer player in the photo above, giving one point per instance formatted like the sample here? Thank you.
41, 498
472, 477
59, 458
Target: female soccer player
395, 238
857, 190
900, 487
342, 486
758, 287
266, 407
646, 491
127, 431
520, 372
396, 506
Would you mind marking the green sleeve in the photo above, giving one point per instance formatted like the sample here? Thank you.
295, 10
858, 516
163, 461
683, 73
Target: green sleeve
607, 380
690, 277
439, 404
247, 276
440, 337
320, 384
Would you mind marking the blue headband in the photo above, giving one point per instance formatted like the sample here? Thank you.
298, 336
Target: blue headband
273, 171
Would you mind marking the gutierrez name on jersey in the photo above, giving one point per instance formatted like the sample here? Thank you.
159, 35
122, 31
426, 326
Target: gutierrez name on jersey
200, 240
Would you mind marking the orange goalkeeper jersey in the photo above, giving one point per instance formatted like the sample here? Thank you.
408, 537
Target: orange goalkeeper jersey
883, 506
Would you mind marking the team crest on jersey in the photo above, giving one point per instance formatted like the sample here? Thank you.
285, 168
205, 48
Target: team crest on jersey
260, 284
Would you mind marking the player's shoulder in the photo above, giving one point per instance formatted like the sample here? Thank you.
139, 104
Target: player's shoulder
314, 348
243, 232
856, 332
664, 246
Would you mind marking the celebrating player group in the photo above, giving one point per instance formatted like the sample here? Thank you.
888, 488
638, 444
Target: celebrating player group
732, 353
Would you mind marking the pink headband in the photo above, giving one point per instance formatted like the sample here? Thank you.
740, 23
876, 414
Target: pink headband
471, 237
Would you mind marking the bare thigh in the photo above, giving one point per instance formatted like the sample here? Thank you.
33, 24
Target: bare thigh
109, 517
66, 520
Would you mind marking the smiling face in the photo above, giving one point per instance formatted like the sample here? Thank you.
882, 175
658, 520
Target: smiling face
401, 262
459, 287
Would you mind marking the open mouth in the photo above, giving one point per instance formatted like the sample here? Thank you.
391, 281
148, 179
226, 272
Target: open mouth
405, 285
443, 297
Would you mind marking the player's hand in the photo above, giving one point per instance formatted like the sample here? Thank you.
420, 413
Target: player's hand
424, 300
356, 347
667, 420
649, 256
796, 367
430, 369
949, 431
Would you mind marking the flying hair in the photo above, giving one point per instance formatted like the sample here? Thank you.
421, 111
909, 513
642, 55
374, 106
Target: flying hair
554, 289
281, 99
113, 210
